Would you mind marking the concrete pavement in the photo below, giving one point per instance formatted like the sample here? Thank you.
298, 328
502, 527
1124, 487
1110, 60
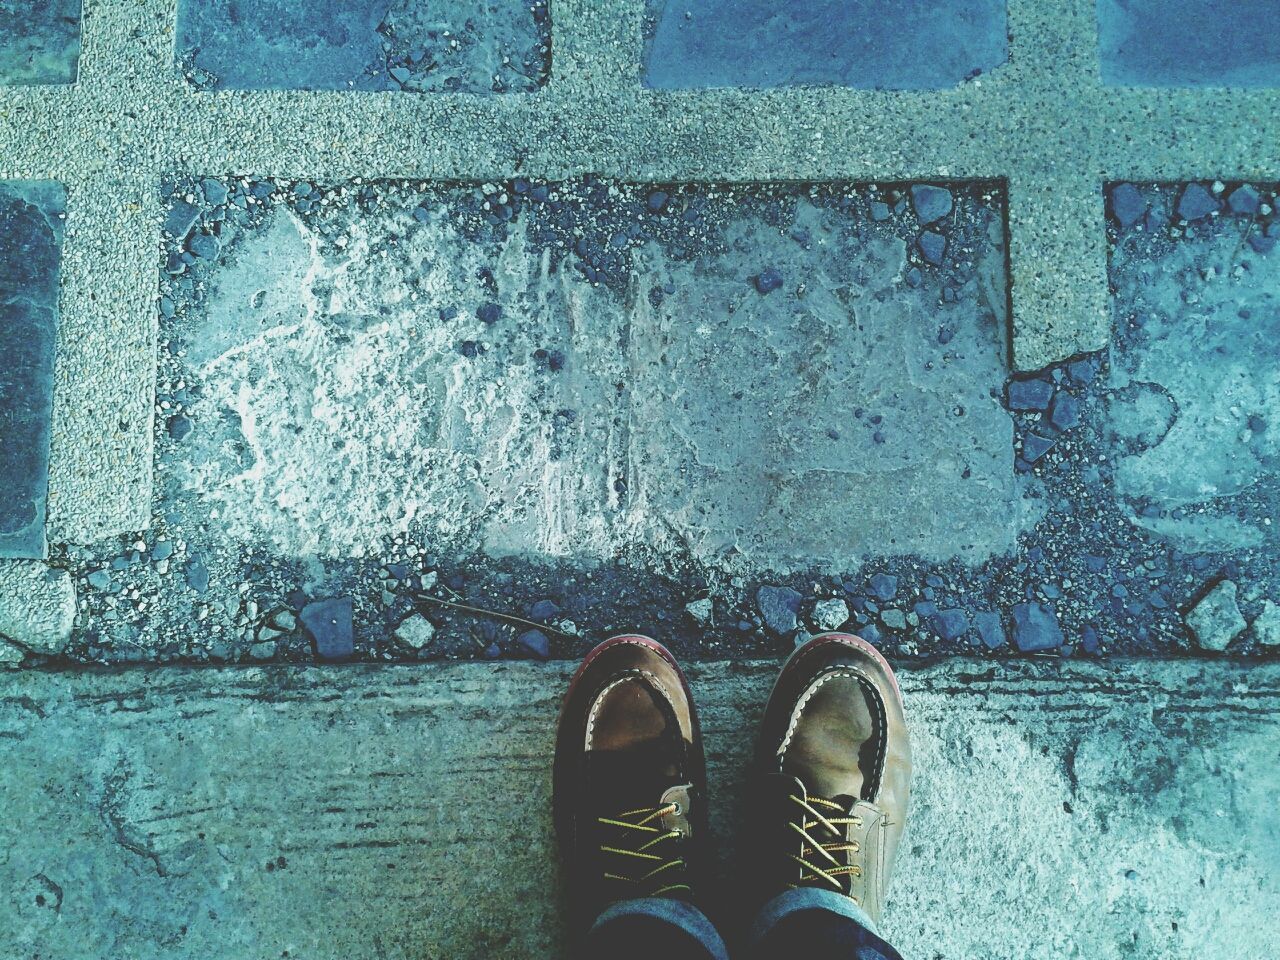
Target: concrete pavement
1060, 810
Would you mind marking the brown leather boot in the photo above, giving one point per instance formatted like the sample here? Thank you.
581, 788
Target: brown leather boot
835, 765
629, 789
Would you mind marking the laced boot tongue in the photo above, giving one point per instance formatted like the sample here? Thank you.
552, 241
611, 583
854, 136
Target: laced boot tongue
822, 850
640, 804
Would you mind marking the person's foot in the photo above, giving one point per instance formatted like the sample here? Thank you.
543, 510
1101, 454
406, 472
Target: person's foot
629, 786
836, 772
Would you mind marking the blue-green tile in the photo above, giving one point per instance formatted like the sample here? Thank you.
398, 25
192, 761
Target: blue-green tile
39, 41
30, 250
1189, 43
423, 45
880, 44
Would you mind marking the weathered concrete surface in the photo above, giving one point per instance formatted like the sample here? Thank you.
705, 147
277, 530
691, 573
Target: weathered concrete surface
1060, 810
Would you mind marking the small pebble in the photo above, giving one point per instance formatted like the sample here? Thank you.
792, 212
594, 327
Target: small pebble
930, 203
536, 643
1197, 202
779, 607
1035, 627
700, 610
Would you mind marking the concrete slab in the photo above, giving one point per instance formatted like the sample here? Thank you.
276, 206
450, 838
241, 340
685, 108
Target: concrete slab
865, 43
439, 45
403, 812
39, 42
1188, 43
31, 227
1194, 378
808, 426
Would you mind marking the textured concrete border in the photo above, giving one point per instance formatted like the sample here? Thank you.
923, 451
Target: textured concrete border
1059, 810
1043, 121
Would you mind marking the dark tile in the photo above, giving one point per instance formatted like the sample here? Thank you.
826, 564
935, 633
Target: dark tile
1189, 43
425, 45
882, 44
30, 247
39, 41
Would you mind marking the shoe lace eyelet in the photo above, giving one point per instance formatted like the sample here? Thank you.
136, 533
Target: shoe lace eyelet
676, 808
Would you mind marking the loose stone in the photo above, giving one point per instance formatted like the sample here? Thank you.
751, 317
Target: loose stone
1064, 412
700, 610
830, 614
262, 650
930, 203
544, 610
329, 625
1035, 627
990, 629
893, 619
1216, 620
779, 607
1033, 394
1127, 204
416, 631
933, 246
950, 624
884, 586
1035, 446
536, 643
1197, 202
1244, 200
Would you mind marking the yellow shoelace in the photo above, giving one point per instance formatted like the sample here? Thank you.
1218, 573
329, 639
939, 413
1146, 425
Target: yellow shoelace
642, 823
832, 868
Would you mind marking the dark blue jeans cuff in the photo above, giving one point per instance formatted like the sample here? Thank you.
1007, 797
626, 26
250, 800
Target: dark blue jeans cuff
654, 929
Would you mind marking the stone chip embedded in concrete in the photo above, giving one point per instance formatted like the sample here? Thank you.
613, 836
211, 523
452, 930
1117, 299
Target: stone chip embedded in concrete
37, 606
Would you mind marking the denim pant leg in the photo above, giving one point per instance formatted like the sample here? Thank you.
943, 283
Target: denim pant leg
653, 928
817, 924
